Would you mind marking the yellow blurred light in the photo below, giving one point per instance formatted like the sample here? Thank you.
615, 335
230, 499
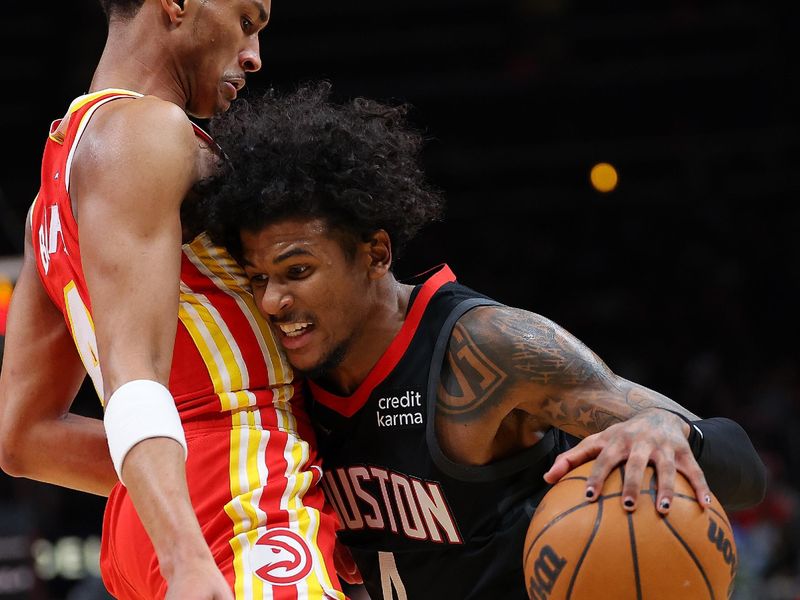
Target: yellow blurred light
6, 287
604, 177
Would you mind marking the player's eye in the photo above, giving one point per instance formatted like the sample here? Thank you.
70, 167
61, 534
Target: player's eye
298, 270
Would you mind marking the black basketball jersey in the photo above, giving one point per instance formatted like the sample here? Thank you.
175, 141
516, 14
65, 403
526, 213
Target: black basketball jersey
419, 525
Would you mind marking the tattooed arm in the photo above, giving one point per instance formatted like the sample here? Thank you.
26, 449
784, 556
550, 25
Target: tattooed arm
510, 375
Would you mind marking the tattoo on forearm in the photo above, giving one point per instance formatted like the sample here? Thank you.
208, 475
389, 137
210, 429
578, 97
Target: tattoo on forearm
579, 416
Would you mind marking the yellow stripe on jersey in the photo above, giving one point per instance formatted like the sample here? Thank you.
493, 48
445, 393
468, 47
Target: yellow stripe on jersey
248, 476
216, 264
216, 345
58, 135
82, 101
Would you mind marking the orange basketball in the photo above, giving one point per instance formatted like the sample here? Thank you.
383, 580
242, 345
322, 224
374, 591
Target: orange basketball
580, 550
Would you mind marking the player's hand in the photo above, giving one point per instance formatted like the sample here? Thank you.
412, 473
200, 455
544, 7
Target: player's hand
345, 565
652, 436
198, 580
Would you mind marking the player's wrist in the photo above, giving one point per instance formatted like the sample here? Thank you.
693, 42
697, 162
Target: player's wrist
189, 553
692, 433
139, 410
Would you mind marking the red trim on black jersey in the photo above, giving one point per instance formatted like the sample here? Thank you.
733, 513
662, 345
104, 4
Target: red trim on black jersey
347, 406
204, 135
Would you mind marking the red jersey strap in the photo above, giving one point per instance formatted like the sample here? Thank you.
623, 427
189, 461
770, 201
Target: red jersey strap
350, 405
203, 135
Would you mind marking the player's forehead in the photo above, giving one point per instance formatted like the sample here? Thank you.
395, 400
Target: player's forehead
279, 240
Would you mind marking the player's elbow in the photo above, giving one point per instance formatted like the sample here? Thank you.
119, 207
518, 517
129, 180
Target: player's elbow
10, 462
11, 448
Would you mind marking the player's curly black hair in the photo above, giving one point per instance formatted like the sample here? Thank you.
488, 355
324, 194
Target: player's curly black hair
355, 165
121, 8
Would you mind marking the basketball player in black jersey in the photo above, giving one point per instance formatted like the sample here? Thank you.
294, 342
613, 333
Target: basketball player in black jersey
442, 415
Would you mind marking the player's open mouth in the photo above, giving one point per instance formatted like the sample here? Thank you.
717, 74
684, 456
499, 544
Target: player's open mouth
294, 329
295, 335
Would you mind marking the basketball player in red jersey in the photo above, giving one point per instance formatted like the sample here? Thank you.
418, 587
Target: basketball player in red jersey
441, 413
218, 495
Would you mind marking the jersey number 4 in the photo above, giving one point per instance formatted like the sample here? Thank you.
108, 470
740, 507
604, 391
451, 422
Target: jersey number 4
391, 584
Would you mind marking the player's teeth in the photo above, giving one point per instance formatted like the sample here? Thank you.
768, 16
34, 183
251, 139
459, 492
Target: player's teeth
293, 329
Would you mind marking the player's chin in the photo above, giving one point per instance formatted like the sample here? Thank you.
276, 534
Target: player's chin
212, 105
303, 358
312, 366
312, 369
220, 107
224, 104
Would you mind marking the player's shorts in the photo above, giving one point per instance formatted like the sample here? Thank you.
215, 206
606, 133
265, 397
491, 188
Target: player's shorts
254, 487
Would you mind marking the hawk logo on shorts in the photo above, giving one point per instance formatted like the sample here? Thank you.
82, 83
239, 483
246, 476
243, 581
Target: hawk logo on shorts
281, 557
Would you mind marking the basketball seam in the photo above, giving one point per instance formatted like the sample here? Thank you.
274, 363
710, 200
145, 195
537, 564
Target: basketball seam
635, 557
577, 569
721, 516
555, 520
691, 555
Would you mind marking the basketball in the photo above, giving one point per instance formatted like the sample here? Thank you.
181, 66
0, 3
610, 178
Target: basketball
581, 550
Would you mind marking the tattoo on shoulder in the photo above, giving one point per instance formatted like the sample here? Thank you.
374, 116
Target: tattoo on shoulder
488, 357
469, 378
547, 354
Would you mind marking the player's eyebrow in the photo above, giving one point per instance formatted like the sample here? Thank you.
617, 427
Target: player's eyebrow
296, 251
263, 15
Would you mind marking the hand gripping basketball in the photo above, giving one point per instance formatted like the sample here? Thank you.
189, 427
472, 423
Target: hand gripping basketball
581, 550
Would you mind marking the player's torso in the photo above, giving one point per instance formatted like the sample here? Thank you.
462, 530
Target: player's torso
419, 525
225, 356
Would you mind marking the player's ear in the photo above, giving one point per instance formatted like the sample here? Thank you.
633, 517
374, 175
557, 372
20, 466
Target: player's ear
380, 254
174, 10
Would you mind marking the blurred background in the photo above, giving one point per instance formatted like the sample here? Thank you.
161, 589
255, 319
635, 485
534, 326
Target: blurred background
678, 264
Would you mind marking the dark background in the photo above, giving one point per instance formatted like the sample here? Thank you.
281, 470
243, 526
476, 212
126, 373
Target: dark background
684, 279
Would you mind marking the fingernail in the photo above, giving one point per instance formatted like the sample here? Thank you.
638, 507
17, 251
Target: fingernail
589, 492
629, 502
664, 504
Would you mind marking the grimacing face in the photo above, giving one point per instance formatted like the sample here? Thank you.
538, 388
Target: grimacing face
315, 295
222, 49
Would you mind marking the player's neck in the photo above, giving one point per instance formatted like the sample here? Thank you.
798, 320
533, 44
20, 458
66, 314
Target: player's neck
380, 327
133, 62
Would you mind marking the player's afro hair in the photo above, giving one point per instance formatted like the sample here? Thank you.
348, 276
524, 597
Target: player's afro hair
355, 165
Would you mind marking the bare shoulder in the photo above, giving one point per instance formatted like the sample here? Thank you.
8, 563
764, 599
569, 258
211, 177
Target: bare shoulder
131, 132
136, 150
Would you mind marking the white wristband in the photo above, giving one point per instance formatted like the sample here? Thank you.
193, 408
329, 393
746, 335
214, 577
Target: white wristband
137, 411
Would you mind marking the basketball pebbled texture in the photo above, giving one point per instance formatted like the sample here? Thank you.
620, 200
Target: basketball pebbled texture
581, 550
